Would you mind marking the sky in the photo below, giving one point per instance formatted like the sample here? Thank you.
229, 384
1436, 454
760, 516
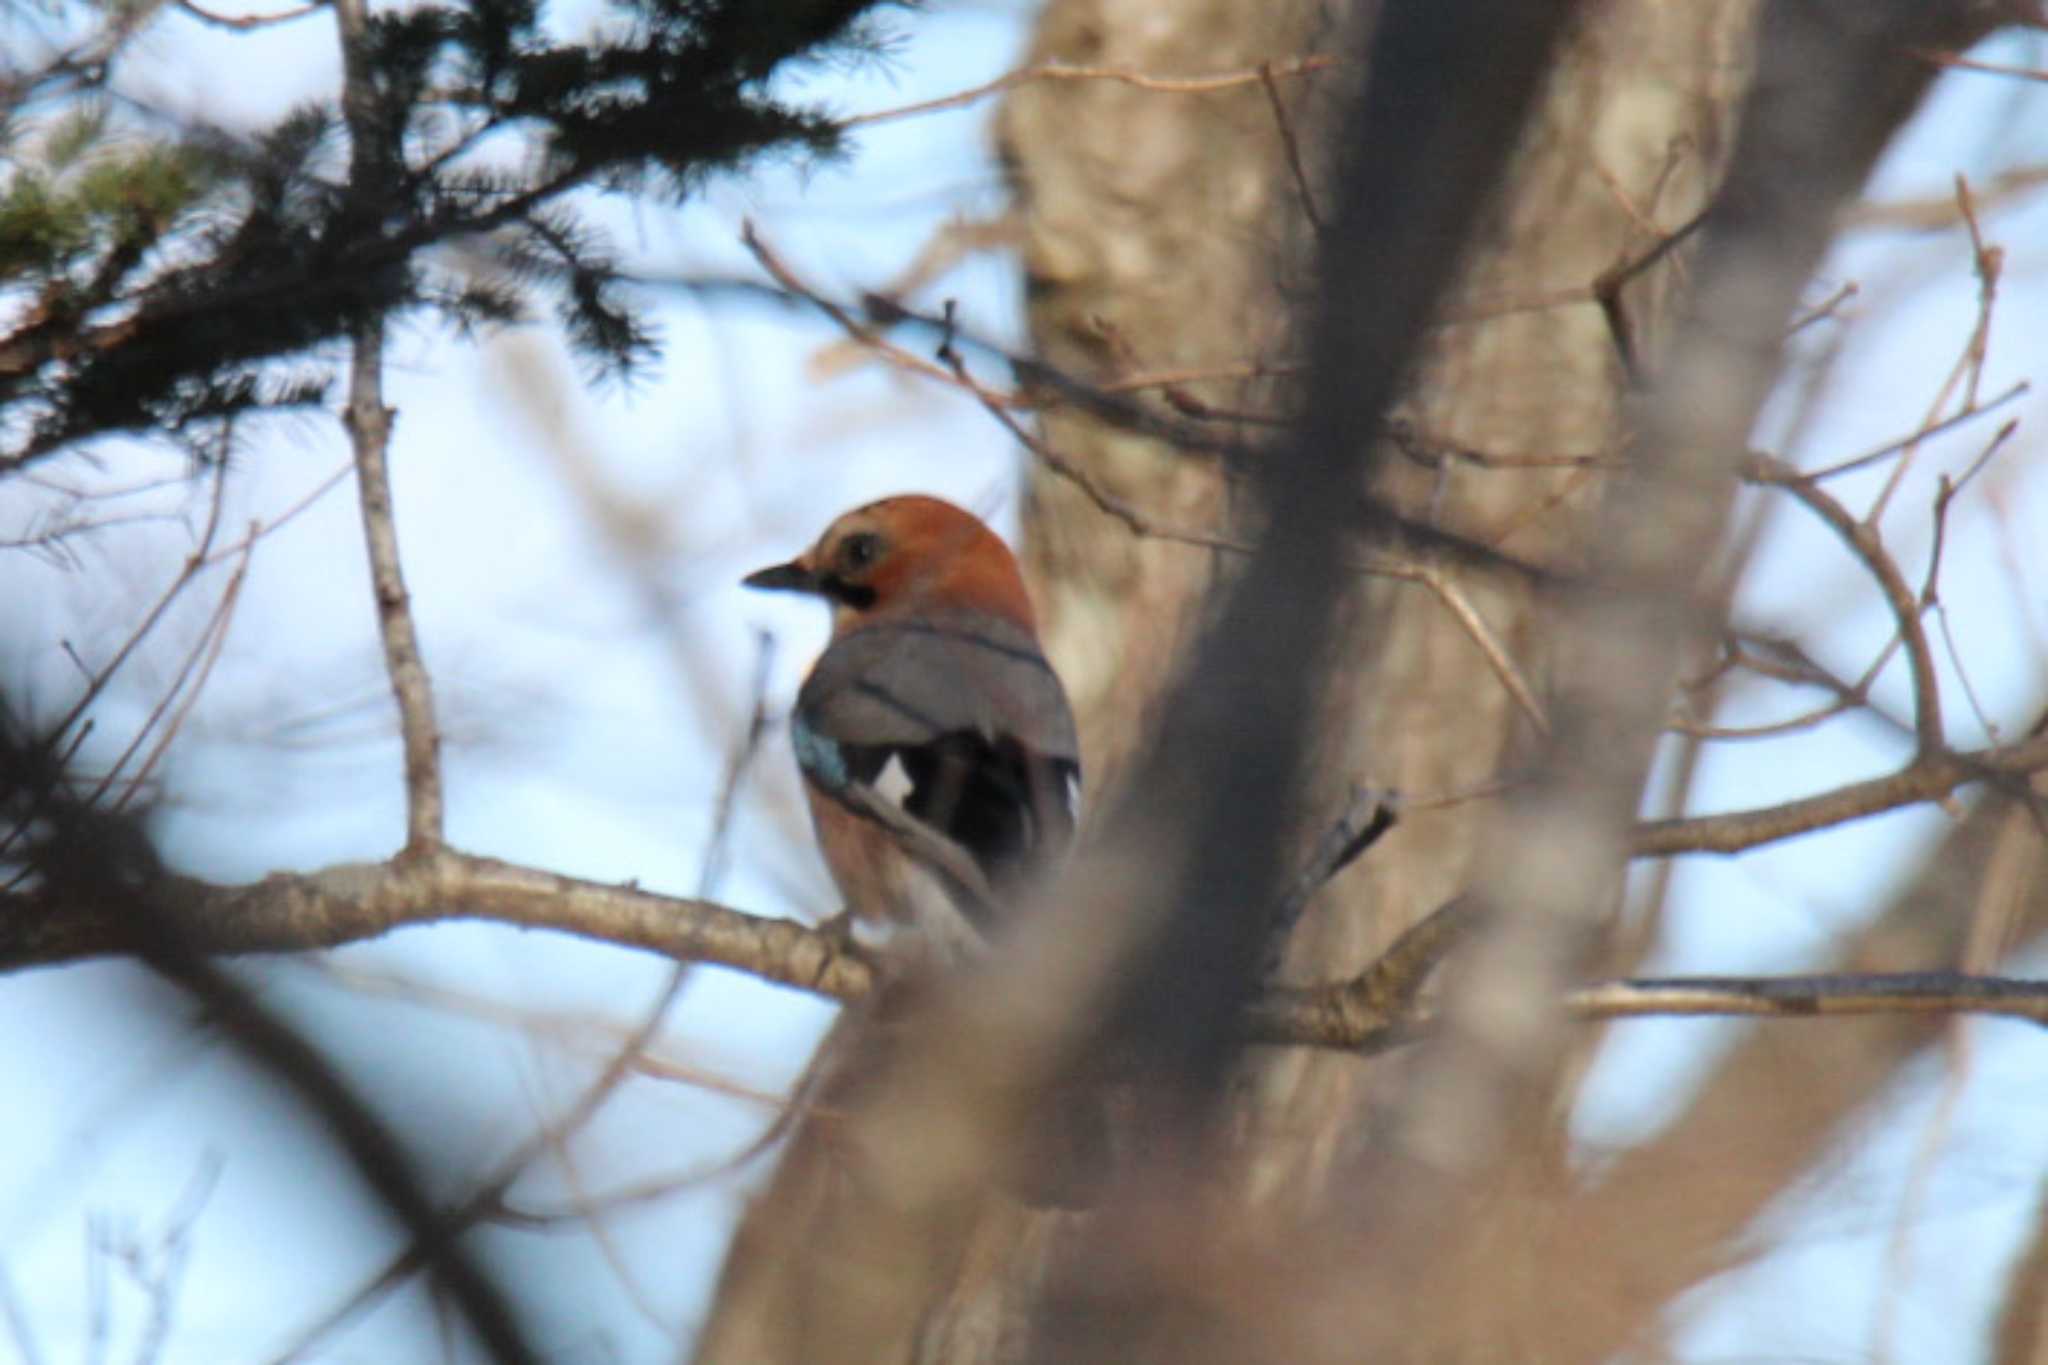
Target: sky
574, 551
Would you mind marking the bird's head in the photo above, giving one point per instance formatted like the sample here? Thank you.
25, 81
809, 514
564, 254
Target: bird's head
904, 554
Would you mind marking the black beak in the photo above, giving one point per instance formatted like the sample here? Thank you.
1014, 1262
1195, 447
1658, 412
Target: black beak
790, 577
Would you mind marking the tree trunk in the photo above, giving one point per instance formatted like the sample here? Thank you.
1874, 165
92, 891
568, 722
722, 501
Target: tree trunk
1174, 220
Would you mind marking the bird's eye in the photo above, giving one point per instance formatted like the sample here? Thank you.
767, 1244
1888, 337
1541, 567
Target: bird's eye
859, 550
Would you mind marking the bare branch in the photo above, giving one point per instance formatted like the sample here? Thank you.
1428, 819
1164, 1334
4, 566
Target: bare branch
860, 332
1935, 212
1955, 61
369, 428
1968, 370
1930, 777
1863, 542
352, 902
243, 23
356, 901
1290, 144
98, 679
1042, 386
1368, 814
1264, 73
202, 657
1346, 1017
1949, 423
1812, 997
1376, 1009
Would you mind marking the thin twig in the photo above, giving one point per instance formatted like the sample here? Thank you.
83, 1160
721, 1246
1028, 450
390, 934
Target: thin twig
263, 530
49, 541
1956, 61
1431, 451
1863, 542
245, 22
712, 870
1937, 212
1607, 290
1989, 263
369, 428
1824, 309
1041, 384
159, 1269
1808, 997
99, 678
1139, 523
488, 1196
1930, 587
1891, 448
1775, 729
854, 328
1122, 75
1490, 646
202, 658
1368, 814
1194, 374
1930, 777
487, 1199
1489, 790
598, 1226
1335, 1017
1288, 144
375, 166
1174, 392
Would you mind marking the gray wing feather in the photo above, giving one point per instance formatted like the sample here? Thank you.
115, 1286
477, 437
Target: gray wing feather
904, 684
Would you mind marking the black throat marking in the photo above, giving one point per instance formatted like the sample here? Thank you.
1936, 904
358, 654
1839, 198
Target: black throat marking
856, 595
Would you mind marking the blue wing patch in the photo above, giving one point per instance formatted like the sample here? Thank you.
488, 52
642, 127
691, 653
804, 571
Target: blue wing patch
819, 755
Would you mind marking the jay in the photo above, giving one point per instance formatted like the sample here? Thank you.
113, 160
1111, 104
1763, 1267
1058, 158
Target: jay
937, 748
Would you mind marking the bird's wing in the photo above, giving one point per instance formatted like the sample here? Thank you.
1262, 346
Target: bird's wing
959, 723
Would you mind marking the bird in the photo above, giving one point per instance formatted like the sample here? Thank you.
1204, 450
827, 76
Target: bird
936, 743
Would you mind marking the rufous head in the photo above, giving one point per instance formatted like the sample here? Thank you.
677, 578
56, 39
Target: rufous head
905, 554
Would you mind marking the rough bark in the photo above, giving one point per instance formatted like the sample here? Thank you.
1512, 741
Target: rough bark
1153, 227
